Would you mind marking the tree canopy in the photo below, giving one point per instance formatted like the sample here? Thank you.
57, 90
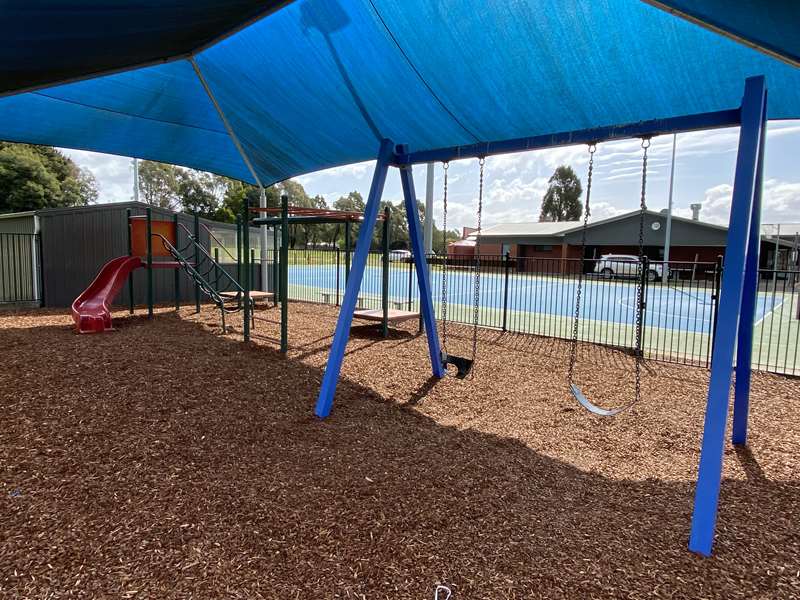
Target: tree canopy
562, 200
35, 177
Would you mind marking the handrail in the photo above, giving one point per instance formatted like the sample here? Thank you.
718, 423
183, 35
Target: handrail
199, 279
219, 243
207, 256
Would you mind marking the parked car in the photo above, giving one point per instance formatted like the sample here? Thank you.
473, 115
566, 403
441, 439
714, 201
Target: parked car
399, 255
625, 265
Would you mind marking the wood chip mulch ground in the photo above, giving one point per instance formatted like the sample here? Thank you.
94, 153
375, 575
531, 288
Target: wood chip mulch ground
167, 460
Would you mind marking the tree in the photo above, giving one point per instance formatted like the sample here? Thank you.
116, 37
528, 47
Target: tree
159, 184
562, 201
35, 177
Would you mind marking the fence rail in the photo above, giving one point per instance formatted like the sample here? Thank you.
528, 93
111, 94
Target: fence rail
20, 276
537, 296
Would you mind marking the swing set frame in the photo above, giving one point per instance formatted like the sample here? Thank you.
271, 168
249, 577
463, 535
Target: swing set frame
737, 297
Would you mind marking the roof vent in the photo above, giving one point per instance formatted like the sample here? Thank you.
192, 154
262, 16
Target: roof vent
695, 211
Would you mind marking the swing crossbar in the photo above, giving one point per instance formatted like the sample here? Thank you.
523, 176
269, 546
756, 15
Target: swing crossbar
681, 124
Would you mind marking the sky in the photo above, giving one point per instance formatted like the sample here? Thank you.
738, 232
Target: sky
515, 183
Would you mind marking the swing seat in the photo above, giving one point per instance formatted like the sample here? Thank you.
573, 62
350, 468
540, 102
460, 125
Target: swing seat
593, 408
464, 365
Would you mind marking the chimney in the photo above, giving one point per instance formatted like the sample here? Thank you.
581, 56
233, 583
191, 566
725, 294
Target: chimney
695, 211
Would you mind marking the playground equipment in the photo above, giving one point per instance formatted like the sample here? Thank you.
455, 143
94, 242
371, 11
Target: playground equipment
641, 274
680, 67
91, 311
462, 364
738, 292
296, 215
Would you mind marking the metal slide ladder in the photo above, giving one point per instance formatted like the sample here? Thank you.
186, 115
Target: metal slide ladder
201, 278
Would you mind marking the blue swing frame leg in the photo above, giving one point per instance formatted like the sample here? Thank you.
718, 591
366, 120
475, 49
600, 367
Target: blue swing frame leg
744, 348
421, 264
342, 333
738, 243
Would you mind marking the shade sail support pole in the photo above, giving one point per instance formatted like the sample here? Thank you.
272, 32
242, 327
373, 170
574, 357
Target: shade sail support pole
421, 264
709, 477
342, 333
744, 346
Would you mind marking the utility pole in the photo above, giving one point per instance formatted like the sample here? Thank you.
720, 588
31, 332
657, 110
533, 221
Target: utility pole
668, 228
428, 229
135, 179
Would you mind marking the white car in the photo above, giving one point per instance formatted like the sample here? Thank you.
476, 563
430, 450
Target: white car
625, 265
399, 255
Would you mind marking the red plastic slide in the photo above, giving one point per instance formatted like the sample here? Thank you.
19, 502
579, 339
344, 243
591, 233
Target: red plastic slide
90, 310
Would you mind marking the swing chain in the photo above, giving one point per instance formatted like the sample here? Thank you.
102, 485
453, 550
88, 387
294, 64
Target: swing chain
477, 288
641, 275
443, 303
573, 354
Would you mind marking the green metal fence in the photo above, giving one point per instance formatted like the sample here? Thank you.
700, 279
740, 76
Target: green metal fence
20, 281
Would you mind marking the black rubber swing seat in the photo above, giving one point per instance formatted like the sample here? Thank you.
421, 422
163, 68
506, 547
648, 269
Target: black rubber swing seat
593, 408
464, 365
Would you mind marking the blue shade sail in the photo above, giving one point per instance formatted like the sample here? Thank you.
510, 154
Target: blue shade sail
51, 41
319, 82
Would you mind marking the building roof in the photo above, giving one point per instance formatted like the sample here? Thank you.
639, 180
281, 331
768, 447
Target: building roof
561, 228
18, 215
565, 230
546, 228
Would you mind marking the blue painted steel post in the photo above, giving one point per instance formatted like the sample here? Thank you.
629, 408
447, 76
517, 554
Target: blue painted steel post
744, 346
423, 275
342, 333
710, 469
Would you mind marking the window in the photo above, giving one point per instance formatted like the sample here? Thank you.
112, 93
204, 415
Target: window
505, 249
543, 248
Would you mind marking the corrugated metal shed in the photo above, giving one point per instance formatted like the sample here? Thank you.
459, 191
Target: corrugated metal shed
21, 222
77, 242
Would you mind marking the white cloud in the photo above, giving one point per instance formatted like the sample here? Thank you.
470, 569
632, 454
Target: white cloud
114, 174
780, 203
604, 210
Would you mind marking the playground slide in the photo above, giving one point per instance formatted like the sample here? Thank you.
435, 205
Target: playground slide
90, 310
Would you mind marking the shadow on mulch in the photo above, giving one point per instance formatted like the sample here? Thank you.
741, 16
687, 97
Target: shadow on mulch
165, 461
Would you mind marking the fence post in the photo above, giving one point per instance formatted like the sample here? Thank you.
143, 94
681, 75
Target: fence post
239, 249
284, 274
177, 270
275, 267
216, 268
246, 268
410, 281
196, 261
385, 273
645, 266
346, 251
40, 270
130, 275
718, 268
149, 263
337, 274
506, 266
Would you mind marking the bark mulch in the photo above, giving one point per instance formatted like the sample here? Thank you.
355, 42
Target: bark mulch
167, 460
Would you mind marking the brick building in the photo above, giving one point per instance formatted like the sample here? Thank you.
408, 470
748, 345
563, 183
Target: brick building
691, 241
